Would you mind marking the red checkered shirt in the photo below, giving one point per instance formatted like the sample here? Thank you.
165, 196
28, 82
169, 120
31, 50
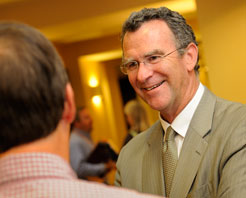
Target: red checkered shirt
36, 175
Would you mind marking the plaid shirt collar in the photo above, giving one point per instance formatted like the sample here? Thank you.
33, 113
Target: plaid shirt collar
33, 165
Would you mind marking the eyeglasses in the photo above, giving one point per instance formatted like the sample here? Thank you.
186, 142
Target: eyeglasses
131, 66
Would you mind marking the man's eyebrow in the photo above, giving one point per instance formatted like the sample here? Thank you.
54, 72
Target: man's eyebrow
124, 60
155, 51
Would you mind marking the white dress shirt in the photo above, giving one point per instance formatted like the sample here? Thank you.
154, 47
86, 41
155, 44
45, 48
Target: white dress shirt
181, 123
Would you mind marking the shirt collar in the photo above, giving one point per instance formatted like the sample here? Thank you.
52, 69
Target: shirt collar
83, 133
33, 165
181, 123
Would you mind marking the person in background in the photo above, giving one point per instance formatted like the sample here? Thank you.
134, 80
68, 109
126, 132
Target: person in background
197, 148
136, 118
36, 110
81, 146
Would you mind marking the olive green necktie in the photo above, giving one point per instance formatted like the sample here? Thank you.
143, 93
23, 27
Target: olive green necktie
170, 158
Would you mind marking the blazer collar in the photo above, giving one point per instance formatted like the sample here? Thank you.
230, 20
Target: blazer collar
201, 122
152, 171
203, 116
194, 146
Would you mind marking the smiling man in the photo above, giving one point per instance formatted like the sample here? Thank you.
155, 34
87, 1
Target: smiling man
198, 146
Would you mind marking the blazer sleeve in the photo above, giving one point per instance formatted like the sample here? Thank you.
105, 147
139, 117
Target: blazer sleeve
117, 181
233, 164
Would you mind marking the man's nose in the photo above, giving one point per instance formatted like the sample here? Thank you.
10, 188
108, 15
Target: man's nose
143, 72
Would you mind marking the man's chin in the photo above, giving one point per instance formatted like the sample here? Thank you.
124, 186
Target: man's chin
154, 104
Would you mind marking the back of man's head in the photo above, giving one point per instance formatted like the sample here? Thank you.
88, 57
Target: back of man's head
32, 85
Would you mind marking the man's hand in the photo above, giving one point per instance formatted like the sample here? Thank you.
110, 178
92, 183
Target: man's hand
110, 165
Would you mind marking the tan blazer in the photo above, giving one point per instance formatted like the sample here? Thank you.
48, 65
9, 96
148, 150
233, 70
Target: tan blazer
212, 162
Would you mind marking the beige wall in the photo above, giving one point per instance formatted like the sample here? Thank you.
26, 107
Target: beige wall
71, 52
222, 25
108, 118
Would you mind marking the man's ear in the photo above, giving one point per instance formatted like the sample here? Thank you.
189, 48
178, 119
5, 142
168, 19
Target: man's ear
69, 105
191, 55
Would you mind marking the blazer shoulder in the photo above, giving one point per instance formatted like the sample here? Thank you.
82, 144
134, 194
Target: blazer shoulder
142, 138
231, 110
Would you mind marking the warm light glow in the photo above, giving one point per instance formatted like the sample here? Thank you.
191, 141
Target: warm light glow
109, 23
104, 56
93, 82
97, 100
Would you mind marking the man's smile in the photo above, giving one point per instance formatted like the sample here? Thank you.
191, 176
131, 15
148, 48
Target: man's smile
153, 87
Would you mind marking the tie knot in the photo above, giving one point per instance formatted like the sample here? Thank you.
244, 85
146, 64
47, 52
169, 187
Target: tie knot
170, 134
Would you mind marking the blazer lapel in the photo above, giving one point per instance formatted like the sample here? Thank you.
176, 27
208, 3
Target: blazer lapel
194, 146
152, 172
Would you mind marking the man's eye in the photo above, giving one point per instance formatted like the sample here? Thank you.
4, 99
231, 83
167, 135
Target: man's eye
131, 65
154, 58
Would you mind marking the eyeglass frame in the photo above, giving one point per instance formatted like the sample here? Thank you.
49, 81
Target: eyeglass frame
124, 68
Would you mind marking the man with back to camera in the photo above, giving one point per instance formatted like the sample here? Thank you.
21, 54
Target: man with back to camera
198, 146
36, 110
81, 146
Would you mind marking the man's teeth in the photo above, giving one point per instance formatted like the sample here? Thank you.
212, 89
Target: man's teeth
157, 85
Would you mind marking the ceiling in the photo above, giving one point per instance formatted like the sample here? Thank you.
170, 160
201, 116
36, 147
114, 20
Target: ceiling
66, 21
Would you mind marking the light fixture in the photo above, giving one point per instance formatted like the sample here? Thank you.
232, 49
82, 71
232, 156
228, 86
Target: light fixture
97, 100
93, 82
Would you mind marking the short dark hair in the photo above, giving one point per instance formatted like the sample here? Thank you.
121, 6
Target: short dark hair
183, 33
32, 85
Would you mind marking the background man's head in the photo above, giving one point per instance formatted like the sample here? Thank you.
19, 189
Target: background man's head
83, 119
32, 85
136, 116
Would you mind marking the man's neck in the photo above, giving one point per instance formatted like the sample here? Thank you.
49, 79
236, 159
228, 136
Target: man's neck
57, 143
171, 113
